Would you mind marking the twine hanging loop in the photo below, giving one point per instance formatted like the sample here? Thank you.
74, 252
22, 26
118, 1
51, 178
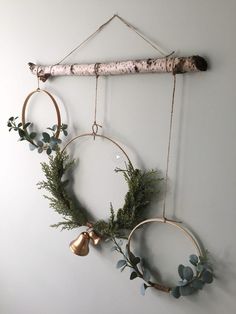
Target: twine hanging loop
95, 125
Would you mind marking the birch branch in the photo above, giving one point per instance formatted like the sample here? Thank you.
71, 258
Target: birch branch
175, 65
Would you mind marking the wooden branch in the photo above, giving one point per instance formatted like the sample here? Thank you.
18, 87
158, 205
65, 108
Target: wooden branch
175, 65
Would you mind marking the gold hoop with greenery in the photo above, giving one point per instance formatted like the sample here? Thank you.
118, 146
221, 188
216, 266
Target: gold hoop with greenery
40, 141
190, 280
142, 186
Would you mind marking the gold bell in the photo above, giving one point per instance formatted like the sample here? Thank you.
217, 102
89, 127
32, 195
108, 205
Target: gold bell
95, 238
80, 246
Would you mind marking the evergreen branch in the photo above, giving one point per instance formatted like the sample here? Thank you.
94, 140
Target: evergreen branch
142, 185
60, 200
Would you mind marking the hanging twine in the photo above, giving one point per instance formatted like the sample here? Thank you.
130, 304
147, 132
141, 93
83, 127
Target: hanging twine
169, 147
130, 26
95, 125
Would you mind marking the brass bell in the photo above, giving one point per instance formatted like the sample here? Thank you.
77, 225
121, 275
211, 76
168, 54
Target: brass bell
95, 238
80, 246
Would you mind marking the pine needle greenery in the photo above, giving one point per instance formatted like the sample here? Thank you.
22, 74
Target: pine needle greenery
142, 187
60, 199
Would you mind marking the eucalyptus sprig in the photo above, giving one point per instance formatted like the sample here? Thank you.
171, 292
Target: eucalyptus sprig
191, 280
135, 263
40, 141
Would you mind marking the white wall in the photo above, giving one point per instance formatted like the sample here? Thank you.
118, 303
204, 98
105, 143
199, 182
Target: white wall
38, 273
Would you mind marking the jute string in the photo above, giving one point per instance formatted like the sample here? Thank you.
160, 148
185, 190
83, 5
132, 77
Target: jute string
130, 26
169, 147
95, 125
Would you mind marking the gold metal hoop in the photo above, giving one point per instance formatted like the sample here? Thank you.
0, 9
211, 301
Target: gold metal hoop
101, 136
184, 230
38, 90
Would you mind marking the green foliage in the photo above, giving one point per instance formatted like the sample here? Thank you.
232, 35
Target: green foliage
133, 275
133, 262
193, 259
121, 263
41, 142
142, 186
143, 288
192, 281
73, 214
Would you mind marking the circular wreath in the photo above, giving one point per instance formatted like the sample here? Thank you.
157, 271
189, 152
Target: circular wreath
40, 141
191, 280
142, 186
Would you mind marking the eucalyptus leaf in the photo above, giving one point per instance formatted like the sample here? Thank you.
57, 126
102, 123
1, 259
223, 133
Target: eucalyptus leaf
200, 267
143, 288
46, 137
188, 273
197, 284
32, 147
40, 143
146, 275
25, 126
133, 259
121, 263
186, 290
133, 275
33, 135
53, 140
12, 118
193, 259
21, 132
114, 248
207, 276
49, 151
175, 292
122, 268
183, 282
180, 271
40, 150
64, 126
53, 146
137, 260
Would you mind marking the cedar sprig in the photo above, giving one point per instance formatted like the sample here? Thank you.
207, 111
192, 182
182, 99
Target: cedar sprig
60, 200
142, 186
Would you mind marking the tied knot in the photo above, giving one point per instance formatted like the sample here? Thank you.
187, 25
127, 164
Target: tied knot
95, 128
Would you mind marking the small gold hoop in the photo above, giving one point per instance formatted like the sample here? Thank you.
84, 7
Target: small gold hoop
101, 136
38, 90
184, 230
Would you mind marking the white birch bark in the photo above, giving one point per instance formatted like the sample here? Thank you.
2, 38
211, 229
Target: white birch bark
161, 65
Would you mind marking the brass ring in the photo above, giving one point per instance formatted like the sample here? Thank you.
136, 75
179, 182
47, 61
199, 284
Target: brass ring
184, 230
38, 90
101, 136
